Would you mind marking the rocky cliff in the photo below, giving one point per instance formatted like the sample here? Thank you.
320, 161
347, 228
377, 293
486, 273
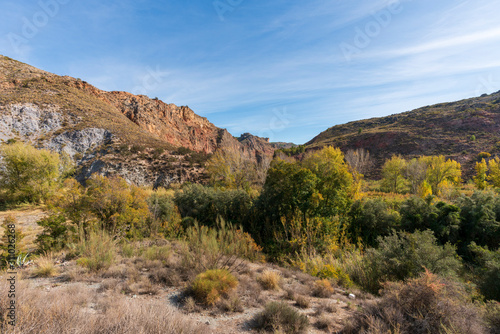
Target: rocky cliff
113, 132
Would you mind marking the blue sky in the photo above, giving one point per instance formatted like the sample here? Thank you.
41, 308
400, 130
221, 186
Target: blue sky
284, 69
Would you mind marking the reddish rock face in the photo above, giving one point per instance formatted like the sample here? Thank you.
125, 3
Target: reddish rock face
180, 126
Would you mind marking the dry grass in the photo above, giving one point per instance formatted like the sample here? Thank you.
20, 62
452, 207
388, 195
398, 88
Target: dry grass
302, 301
322, 288
423, 305
45, 267
210, 286
270, 280
80, 310
280, 317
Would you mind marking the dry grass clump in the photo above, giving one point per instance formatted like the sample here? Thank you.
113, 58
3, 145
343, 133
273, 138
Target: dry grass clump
281, 317
302, 301
322, 288
325, 322
423, 305
270, 280
45, 267
208, 287
231, 304
79, 310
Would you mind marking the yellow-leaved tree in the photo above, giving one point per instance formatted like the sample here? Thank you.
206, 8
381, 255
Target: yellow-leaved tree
28, 174
494, 172
393, 174
442, 172
480, 179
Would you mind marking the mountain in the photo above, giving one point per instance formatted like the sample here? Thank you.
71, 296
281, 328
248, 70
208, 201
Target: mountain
145, 140
459, 130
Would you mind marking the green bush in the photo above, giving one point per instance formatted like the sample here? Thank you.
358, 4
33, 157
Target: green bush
208, 287
405, 255
370, 219
98, 252
480, 220
488, 272
281, 317
56, 233
164, 214
443, 219
206, 204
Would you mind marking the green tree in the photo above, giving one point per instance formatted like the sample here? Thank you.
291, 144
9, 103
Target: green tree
488, 272
405, 255
393, 172
370, 219
118, 206
29, 174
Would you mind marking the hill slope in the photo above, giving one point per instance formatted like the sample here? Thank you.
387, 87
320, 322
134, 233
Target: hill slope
459, 130
112, 132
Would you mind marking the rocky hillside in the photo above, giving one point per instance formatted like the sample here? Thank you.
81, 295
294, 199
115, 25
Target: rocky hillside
145, 140
459, 130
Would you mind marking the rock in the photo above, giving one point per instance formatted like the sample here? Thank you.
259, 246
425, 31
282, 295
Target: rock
352, 296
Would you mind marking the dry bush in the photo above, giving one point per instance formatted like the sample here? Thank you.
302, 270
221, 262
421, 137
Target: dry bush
79, 310
231, 304
208, 287
45, 267
322, 288
281, 317
328, 307
302, 301
270, 280
290, 294
325, 323
423, 305
492, 316
165, 276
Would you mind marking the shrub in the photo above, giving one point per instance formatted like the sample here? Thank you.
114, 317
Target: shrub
370, 219
120, 207
210, 248
483, 155
164, 214
29, 174
426, 304
161, 253
56, 233
270, 280
7, 253
98, 252
45, 267
302, 301
480, 217
406, 255
488, 273
208, 287
206, 204
492, 316
322, 288
279, 316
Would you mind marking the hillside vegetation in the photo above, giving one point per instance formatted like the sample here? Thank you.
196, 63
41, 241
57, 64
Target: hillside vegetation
458, 130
